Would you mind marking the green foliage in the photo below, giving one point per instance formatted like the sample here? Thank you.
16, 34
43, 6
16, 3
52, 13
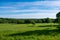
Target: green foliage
58, 22
48, 20
20, 21
58, 18
58, 14
33, 22
26, 21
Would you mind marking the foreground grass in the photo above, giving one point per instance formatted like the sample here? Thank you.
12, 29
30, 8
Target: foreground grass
39, 31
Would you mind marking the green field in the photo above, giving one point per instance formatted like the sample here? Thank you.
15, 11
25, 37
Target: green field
39, 31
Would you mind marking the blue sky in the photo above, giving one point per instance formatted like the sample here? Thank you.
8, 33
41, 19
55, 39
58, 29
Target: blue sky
29, 8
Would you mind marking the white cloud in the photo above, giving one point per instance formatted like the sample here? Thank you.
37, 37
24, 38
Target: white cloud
30, 14
38, 15
41, 11
30, 11
38, 9
48, 3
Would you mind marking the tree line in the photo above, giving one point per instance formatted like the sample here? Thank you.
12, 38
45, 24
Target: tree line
27, 21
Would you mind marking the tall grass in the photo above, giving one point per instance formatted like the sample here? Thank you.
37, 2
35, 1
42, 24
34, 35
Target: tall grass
41, 31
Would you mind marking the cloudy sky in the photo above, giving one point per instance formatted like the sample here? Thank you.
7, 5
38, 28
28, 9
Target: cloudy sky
29, 8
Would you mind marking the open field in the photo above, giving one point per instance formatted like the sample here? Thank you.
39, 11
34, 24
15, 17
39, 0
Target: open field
39, 31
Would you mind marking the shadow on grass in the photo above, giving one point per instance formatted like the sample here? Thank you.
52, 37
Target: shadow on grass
37, 32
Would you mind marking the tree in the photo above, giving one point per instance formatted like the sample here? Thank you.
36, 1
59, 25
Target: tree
48, 20
33, 22
58, 15
1, 21
20, 21
27, 21
58, 18
40, 21
43, 20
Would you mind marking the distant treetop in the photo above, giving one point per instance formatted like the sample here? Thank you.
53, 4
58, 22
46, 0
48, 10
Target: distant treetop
58, 14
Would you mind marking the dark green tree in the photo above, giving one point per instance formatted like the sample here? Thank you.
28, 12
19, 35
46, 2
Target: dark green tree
20, 21
58, 18
58, 15
33, 23
48, 20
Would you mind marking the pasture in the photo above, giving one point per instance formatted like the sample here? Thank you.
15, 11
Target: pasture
39, 31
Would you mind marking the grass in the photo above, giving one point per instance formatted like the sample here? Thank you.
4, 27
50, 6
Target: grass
40, 31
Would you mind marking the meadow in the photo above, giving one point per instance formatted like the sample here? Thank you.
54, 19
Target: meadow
38, 31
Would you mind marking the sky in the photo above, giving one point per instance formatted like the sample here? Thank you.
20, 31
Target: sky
29, 8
